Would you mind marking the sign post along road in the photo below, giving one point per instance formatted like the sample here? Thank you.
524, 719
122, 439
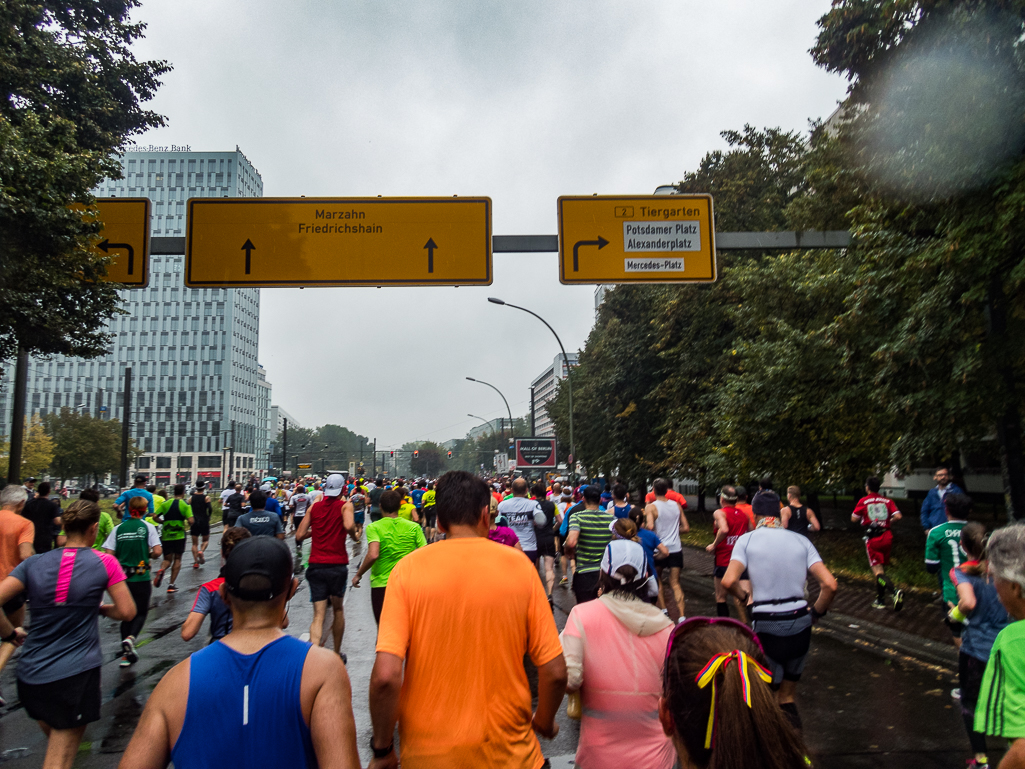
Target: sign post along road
536, 453
291, 242
125, 238
636, 239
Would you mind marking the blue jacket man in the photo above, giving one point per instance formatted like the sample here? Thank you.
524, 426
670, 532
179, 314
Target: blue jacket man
933, 511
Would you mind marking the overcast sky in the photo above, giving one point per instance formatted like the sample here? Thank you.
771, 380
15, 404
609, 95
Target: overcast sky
521, 101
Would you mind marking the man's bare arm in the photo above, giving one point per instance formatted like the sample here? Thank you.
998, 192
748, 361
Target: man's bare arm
551, 688
332, 726
385, 686
161, 722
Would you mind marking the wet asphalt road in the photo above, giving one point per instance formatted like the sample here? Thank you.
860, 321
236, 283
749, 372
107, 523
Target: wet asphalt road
859, 709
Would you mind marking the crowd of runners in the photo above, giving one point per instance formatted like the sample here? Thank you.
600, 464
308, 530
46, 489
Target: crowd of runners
464, 576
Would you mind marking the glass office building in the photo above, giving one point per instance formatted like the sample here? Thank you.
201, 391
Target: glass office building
197, 406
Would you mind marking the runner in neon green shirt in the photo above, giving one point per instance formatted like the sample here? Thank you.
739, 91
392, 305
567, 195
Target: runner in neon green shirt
1001, 705
389, 540
175, 516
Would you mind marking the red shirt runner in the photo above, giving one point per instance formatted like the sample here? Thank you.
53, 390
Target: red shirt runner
328, 532
737, 522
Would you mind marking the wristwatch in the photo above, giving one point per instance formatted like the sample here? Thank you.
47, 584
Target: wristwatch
381, 752
11, 637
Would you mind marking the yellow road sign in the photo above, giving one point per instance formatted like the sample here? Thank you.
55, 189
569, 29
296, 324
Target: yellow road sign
305, 467
251, 242
636, 239
125, 238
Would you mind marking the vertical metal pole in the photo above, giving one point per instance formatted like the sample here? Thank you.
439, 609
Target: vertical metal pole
284, 448
375, 458
231, 452
126, 427
18, 417
533, 432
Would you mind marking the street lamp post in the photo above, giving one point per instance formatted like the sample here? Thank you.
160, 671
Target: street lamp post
487, 423
481, 381
569, 383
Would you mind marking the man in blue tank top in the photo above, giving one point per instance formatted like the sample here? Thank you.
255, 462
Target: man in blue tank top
257, 698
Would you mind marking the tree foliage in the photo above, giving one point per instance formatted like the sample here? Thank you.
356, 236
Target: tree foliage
821, 366
84, 445
37, 450
70, 96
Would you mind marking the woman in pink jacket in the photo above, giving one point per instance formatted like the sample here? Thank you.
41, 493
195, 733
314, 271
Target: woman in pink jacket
614, 649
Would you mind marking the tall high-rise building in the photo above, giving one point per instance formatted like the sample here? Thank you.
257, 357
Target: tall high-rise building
263, 430
197, 407
544, 390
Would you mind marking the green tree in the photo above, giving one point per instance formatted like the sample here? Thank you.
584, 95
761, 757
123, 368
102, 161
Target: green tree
37, 450
431, 460
71, 91
941, 241
83, 445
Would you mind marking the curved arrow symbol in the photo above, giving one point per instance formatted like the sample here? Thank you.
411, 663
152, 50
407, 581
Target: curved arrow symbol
248, 247
106, 245
600, 242
430, 246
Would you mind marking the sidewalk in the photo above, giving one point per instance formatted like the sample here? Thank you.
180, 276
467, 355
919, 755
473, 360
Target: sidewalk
917, 631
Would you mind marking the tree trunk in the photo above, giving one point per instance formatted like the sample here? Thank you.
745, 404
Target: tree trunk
700, 507
1008, 423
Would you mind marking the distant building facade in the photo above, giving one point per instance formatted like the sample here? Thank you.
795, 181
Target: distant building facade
545, 387
192, 351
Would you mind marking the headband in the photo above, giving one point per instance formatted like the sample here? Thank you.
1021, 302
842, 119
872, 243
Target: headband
719, 662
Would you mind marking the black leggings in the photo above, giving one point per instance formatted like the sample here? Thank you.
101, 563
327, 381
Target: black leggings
377, 602
969, 674
141, 592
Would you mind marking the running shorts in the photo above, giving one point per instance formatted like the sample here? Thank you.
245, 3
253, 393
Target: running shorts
546, 547
532, 555
878, 548
672, 561
65, 703
956, 628
786, 640
15, 603
720, 572
432, 516
173, 546
359, 517
200, 528
327, 580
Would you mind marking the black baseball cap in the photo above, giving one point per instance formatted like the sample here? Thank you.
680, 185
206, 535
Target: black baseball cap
258, 569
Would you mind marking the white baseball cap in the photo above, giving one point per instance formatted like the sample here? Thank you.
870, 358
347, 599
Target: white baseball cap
333, 485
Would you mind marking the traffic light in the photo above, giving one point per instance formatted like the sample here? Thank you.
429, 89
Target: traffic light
450, 455
416, 453
393, 453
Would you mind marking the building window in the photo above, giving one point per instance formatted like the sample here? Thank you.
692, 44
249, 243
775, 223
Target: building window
142, 463
163, 463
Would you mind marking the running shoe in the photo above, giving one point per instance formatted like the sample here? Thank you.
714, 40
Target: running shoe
202, 558
877, 604
898, 599
158, 578
345, 660
973, 763
128, 647
955, 694
172, 588
195, 565
564, 581
124, 662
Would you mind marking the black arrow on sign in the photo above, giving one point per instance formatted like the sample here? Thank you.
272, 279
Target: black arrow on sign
430, 246
600, 242
106, 245
248, 247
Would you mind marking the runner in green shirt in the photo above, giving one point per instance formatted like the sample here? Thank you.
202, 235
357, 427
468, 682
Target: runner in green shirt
106, 526
1001, 706
389, 540
133, 542
174, 515
943, 552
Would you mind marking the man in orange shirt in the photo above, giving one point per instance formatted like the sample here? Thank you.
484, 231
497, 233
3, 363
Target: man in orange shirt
461, 614
672, 495
16, 537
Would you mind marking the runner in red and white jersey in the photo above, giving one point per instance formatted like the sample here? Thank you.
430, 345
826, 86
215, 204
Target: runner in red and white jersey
875, 513
731, 523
